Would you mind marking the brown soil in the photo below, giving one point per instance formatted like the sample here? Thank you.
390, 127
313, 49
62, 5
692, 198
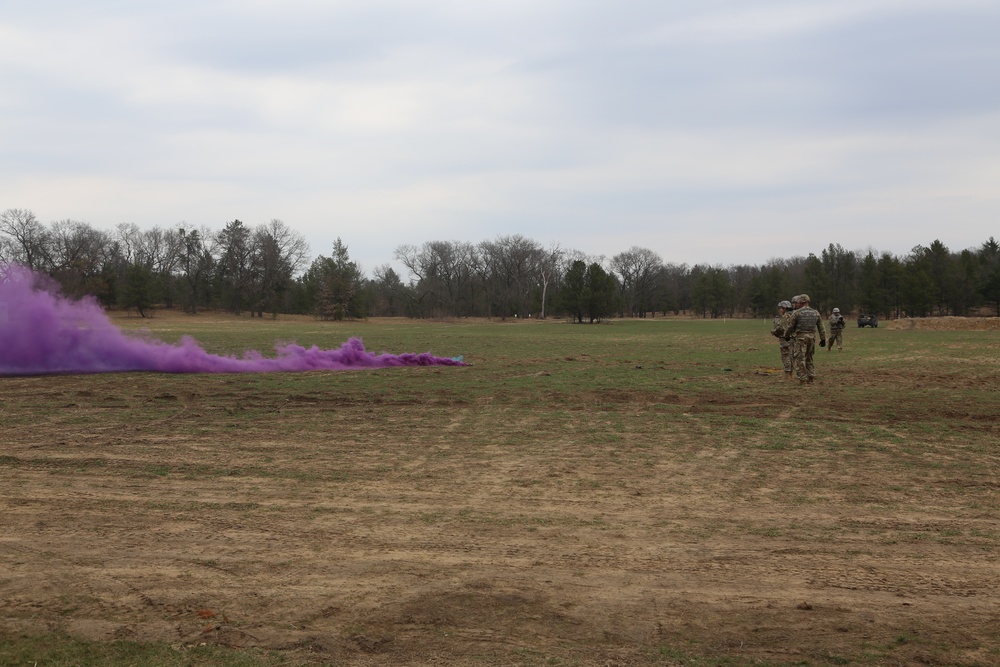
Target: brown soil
458, 530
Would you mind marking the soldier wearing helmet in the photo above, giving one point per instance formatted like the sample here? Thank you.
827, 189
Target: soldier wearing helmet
803, 325
784, 346
837, 325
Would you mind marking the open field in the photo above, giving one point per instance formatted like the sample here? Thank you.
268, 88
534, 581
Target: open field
636, 493
946, 323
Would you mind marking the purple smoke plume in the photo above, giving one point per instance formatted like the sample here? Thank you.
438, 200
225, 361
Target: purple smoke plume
42, 332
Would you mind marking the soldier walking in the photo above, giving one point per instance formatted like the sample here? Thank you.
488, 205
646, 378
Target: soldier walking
784, 346
837, 325
803, 325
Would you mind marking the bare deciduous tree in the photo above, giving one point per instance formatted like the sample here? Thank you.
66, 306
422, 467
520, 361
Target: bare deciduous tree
390, 294
547, 266
637, 269
443, 275
27, 239
76, 257
508, 270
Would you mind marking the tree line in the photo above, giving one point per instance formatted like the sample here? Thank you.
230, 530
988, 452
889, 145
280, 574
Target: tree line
265, 269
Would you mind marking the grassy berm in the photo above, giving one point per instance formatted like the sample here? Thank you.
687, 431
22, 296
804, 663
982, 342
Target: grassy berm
633, 493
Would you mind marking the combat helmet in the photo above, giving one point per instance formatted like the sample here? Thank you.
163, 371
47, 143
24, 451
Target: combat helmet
836, 310
803, 298
785, 304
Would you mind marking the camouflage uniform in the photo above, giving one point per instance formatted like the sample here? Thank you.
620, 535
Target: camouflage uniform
837, 325
778, 327
803, 325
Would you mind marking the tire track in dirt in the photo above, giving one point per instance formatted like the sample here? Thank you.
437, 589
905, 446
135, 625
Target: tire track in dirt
98, 582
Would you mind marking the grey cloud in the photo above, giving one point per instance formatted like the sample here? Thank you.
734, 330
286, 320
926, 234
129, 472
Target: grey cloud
542, 118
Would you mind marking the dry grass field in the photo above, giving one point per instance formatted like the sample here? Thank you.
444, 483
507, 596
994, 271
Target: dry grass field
636, 493
947, 323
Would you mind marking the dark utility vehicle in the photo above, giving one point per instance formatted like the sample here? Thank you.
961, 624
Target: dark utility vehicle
867, 321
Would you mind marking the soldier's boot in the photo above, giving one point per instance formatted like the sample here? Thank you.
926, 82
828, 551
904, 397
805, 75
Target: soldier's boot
788, 376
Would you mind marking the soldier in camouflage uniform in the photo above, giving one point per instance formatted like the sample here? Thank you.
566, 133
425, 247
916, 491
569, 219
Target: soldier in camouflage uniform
837, 325
778, 330
803, 325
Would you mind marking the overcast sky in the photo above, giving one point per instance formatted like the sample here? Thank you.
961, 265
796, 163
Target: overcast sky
719, 132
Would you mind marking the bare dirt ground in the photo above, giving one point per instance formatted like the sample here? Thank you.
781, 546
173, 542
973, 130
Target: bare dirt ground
338, 521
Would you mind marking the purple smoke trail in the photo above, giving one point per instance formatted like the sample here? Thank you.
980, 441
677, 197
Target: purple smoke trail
42, 332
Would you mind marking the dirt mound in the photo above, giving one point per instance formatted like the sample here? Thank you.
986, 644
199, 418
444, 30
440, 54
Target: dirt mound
946, 323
